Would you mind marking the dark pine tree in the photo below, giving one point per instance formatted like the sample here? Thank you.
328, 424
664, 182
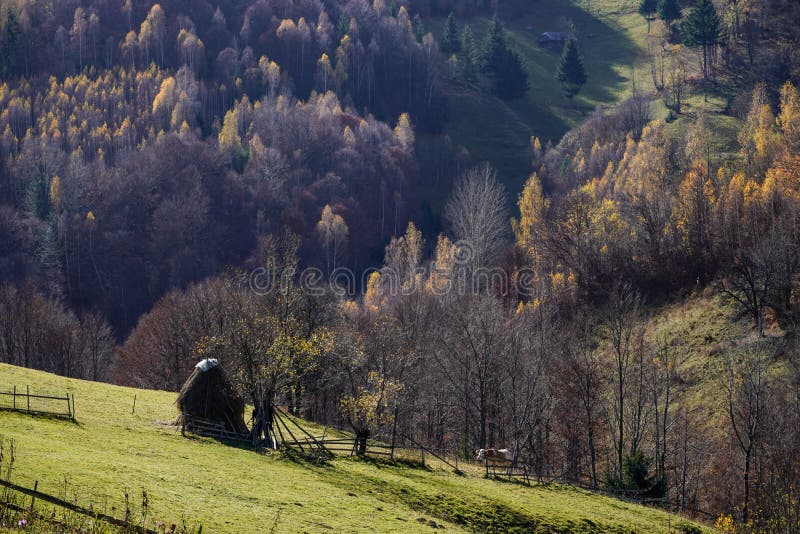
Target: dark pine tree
38, 197
420, 31
469, 59
502, 65
343, 26
451, 44
648, 9
512, 81
9, 41
703, 28
570, 71
494, 47
669, 11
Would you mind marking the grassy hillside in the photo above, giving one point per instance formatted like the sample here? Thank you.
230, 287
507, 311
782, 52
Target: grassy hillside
612, 38
110, 450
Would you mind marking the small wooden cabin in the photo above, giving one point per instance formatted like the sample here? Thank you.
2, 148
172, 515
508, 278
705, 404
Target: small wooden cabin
555, 39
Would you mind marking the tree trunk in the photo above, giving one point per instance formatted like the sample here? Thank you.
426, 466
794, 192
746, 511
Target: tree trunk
745, 506
593, 457
361, 442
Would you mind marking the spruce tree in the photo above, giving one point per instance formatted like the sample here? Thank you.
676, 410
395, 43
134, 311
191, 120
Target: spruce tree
38, 197
420, 31
9, 43
450, 39
669, 11
502, 65
343, 26
703, 28
469, 59
648, 9
570, 71
494, 47
513, 80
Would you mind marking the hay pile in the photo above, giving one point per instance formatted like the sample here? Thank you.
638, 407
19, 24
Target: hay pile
209, 395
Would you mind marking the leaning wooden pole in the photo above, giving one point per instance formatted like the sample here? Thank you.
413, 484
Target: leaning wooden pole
280, 420
303, 430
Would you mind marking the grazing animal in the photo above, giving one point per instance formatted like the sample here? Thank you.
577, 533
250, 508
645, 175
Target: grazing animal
494, 456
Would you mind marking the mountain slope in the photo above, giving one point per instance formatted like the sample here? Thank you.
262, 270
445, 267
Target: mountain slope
612, 39
110, 450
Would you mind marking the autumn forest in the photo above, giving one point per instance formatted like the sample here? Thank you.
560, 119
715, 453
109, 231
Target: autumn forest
278, 184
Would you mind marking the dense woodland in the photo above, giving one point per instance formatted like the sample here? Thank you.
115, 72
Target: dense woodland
266, 182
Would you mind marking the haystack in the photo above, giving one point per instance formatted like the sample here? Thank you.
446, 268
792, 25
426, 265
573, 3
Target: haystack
209, 395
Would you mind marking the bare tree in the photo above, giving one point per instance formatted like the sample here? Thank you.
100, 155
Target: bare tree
478, 216
623, 330
526, 385
752, 277
469, 348
98, 345
746, 386
581, 372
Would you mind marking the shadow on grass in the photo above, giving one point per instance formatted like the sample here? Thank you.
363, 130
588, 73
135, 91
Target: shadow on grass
42, 416
478, 515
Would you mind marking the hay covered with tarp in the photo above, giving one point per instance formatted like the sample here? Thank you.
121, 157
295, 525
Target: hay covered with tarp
208, 394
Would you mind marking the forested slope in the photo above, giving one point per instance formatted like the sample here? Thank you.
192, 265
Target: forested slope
297, 188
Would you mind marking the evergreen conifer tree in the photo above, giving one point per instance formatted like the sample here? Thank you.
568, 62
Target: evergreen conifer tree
450, 39
503, 65
648, 9
570, 71
703, 28
9, 43
469, 59
513, 80
494, 47
669, 11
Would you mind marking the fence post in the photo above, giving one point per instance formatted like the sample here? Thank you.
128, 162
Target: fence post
394, 431
73, 406
28, 391
69, 407
33, 497
14, 397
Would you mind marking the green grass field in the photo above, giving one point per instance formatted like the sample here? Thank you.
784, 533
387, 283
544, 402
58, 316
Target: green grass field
109, 450
612, 38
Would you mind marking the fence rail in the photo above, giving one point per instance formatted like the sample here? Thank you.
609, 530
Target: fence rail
34, 494
26, 402
203, 427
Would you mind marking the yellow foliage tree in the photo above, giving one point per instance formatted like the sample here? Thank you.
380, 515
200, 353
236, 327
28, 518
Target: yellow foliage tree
404, 132
530, 228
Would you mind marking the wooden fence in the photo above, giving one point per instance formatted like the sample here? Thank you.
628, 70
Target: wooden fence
211, 429
506, 468
35, 495
349, 446
27, 402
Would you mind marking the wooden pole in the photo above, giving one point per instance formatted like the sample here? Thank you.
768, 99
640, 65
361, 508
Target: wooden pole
33, 496
14, 397
73, 407
69, 407
394, 431
277, 417
28, 391
133, 411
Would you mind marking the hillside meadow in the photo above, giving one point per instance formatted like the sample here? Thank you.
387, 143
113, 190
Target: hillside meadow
109, 451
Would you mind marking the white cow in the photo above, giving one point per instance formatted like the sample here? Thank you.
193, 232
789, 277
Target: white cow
494, 456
